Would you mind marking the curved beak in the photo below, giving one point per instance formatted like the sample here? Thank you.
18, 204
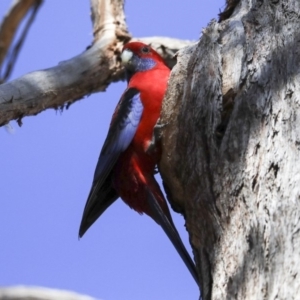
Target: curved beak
126, 56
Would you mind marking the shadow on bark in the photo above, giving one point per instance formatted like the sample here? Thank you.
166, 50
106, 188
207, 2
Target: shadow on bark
211, 163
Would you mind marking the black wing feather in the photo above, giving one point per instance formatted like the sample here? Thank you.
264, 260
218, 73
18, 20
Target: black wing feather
172, 233
122, 130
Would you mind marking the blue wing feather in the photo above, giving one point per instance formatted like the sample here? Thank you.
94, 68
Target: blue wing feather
122, 129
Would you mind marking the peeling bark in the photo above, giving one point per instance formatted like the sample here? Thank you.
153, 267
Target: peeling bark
231, 151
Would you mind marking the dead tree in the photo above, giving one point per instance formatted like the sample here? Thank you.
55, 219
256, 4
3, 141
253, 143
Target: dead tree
232, 147
231, 138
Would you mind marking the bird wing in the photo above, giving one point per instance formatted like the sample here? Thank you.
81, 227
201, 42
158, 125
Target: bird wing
122, 129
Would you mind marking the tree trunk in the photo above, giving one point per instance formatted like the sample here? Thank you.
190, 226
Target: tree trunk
231, 151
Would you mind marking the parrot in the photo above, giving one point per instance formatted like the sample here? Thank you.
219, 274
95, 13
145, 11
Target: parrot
126, 167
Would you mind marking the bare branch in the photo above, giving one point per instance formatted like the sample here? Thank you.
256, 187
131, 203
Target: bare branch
9, 27
107, 15
91, 71
84, 74
70, 80
39, 293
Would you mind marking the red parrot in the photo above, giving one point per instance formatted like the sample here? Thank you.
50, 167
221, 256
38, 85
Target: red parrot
125, 168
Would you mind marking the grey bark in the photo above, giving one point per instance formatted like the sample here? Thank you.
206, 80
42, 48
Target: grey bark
92, 71
231, 146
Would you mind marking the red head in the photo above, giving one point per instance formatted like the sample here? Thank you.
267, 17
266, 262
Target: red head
142, 51
139, 57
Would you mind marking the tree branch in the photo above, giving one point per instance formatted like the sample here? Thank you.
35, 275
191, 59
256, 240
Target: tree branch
8, 28
38, 293
89, 72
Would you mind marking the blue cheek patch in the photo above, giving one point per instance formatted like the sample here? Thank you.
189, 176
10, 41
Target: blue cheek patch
139, 65
145, 64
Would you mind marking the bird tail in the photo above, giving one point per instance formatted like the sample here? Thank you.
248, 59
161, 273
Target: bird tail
171, 232
100, 198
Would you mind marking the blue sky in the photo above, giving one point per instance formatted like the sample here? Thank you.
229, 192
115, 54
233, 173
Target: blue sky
46, 169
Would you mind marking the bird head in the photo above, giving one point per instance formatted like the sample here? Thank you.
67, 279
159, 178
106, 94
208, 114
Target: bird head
139, 57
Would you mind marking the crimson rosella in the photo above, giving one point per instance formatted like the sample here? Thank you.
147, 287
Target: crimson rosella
125, 168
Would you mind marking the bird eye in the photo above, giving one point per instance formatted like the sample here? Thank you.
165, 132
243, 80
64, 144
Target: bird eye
145, 49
